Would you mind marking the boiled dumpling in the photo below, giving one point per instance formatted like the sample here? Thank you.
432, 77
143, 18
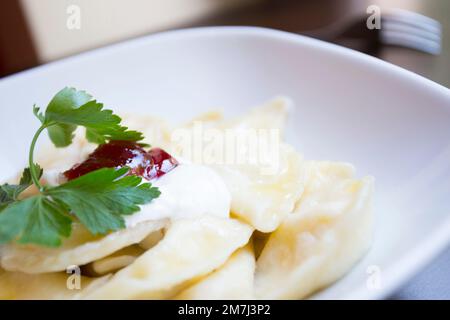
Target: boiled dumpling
81, 248
264, 200
327, 233
233, 280
156, 131
264, 183
190, 249
22, 286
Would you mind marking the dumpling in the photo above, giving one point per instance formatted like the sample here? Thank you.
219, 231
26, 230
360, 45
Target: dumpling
189, 250
233, 280
81, 248
272, 114
155, 130
264, 190
118, 260
264, 176
22, 286
264, 200
320, 241
191, 140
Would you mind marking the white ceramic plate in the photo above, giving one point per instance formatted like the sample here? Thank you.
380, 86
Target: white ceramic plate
389, 122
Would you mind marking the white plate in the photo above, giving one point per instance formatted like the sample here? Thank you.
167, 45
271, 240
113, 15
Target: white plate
389, 122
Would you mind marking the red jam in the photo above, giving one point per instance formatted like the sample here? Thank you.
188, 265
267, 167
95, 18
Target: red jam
162, 163
116, 154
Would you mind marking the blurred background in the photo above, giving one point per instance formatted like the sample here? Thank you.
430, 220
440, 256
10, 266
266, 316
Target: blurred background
34, 32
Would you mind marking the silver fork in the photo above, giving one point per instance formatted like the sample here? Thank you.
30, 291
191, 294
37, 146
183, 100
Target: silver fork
398, 27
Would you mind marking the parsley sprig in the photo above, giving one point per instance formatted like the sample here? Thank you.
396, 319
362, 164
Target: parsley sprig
99, 199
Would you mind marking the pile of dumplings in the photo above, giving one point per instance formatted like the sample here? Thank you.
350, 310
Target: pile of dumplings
288, 234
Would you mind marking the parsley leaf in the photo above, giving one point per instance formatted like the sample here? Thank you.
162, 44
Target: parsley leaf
100, 198
35, 220
71, 108
10, 192
65, 100
38, 114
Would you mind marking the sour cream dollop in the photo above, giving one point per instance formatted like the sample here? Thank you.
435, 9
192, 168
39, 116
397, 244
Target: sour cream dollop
187, 191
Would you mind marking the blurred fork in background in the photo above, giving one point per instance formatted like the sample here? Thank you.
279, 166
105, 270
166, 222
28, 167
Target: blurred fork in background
398, 27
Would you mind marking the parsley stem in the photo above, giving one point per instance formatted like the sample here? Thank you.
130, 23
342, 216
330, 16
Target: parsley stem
34, 175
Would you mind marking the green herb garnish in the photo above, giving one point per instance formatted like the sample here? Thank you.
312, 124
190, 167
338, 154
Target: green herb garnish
99, 199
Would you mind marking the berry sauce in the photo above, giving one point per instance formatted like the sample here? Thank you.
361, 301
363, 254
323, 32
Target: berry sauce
116, 154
